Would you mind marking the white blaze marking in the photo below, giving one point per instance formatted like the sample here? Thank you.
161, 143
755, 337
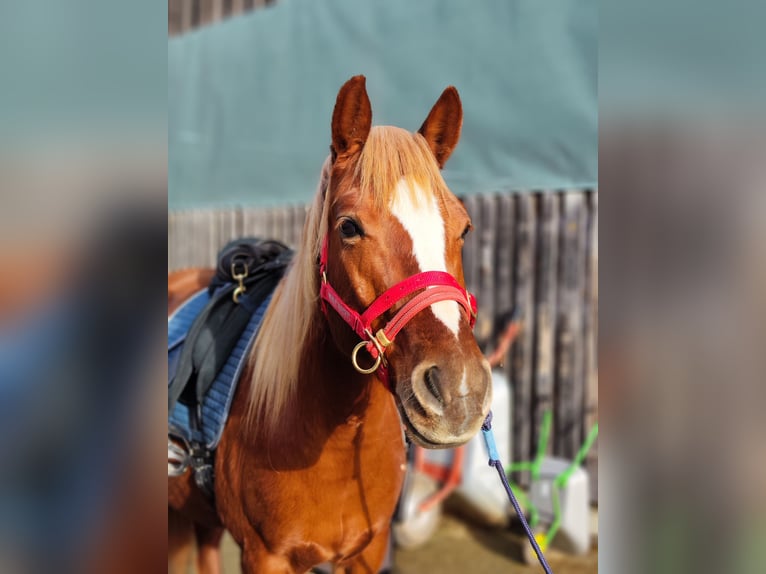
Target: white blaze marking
425, 225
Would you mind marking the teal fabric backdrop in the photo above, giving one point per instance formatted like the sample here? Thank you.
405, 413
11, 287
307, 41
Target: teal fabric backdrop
250, 99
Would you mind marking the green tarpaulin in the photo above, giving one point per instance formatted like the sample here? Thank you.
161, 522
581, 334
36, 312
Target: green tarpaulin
250, 99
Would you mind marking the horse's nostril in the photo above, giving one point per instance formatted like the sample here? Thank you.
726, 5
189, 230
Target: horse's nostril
431, 379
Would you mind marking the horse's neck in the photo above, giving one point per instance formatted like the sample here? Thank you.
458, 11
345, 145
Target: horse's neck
332, 400
331, 392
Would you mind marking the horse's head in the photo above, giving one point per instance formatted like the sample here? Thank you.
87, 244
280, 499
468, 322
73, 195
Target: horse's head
389, 218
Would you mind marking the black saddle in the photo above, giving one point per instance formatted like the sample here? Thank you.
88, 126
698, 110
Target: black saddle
251, 267
248, 270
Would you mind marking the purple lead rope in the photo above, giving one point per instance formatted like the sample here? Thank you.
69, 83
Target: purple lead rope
494, 460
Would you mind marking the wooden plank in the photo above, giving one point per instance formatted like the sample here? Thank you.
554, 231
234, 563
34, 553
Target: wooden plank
503, 264
194, 239
287, 229
568, 418
590, 398
205, 239
227, 7
299, 213
582, 280
239, 222
275, 220
290, 226
185, 248
174, 17
254, 223
247, 230
198, 239
264, 218
206, 12
591, 465
227, 229
248, 222
237, 7
546, 288
181, 221
297, 218
471, 256
503, 271
217, 10
217, 236
189, 14
273, 223
172, 237
179, 256
282, 219
219, 229
487, 233
522, 361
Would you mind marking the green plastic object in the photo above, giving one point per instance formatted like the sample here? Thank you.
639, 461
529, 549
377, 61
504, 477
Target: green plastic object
533, 466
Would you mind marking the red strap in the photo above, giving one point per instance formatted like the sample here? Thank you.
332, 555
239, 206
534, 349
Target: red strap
393, 295
323, 257
426, 299
327, 293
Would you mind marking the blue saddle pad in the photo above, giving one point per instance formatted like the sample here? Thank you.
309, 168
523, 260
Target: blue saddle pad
217, 400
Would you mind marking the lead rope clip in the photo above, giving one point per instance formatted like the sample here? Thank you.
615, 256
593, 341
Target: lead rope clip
240, 276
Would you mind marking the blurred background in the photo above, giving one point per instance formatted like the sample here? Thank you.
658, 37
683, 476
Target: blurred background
251, 88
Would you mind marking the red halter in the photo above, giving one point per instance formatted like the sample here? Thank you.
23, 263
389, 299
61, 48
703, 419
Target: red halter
434, 286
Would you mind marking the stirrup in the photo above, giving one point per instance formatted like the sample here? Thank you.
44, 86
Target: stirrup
179, 455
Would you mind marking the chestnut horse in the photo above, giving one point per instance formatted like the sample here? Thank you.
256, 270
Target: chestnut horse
311, 461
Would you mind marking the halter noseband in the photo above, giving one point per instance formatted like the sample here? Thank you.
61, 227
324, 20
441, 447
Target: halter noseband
434, 286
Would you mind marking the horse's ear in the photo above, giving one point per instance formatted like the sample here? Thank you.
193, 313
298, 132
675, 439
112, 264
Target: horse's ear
443, 124
351, 119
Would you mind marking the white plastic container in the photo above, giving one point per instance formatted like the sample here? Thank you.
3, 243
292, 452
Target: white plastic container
573, 535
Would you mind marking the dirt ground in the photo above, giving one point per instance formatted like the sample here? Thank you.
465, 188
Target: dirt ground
459, 547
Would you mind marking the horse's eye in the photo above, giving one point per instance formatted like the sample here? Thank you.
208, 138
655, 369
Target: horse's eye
349, 228
467, 229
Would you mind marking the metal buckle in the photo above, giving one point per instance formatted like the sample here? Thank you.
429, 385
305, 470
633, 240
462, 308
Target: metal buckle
382, 339
240, 277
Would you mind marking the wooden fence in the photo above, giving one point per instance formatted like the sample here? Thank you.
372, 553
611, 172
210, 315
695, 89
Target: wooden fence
535, 252
185, 15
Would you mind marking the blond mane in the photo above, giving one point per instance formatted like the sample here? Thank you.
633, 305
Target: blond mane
389, 154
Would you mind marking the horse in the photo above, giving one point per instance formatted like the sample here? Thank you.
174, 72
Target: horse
368, 338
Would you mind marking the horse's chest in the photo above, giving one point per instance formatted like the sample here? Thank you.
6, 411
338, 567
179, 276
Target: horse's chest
355, 501
353, 483
329, 506
351, 493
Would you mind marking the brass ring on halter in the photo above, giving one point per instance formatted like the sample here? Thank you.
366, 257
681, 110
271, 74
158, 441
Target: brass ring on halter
354, 361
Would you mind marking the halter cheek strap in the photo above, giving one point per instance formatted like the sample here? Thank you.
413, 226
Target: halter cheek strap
433, 286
